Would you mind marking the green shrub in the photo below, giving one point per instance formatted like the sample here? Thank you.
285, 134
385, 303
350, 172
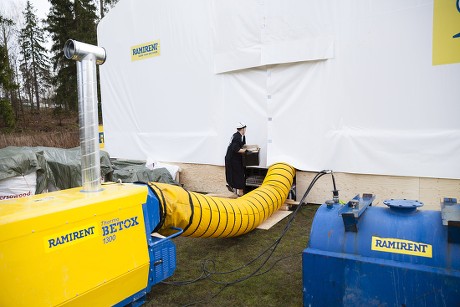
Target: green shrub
7, 114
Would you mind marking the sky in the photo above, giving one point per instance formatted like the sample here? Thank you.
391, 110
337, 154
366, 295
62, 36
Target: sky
15, 8
42, 7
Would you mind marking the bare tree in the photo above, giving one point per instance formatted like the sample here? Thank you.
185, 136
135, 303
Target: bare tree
7, 29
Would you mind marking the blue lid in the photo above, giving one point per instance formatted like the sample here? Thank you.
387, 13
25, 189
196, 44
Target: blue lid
402, 203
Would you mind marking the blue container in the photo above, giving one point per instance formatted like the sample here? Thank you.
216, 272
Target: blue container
359, 255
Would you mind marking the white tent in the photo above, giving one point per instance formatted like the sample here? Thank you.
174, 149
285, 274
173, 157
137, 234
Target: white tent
352, 86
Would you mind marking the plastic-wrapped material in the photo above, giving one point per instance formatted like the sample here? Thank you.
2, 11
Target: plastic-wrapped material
172, 169
136, 171
65, 166
18, 186
21, 172
56, 168
17, 161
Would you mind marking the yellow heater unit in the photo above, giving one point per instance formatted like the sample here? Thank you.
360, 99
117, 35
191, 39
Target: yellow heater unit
74, 248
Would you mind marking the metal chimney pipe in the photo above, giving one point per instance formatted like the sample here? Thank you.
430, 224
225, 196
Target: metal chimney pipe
87, 56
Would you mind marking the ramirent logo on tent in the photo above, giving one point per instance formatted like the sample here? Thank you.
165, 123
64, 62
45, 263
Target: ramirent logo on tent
399, 246
145, 51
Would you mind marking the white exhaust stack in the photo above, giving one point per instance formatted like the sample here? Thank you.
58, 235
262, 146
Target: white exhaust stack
87, 56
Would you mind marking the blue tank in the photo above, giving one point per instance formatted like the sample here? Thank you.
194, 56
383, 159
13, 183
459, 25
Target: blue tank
361, 255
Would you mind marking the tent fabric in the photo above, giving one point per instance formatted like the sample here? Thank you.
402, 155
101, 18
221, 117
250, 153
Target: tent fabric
257, 33
343, 85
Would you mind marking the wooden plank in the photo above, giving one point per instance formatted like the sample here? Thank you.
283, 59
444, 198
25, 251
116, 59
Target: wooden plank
274, 219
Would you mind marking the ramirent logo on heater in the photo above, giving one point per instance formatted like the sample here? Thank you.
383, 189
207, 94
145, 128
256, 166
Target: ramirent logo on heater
70, 237
398, 246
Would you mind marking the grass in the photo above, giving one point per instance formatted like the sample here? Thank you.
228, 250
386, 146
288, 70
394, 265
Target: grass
42, 129
62, 139
277, 283
280, 285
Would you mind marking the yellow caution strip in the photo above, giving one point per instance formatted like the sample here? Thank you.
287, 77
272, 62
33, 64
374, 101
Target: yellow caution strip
207, 216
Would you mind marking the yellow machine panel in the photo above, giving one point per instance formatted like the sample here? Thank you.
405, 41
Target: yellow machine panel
73, 248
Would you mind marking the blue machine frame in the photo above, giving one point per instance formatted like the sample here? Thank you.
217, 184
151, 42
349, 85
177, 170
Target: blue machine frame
162, 252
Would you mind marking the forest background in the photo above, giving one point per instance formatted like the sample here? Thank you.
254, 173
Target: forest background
38, 85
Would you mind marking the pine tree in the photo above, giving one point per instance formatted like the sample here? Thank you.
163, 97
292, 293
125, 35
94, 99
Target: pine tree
106, 5
60, 24
86, 21
35, 62
6, 110
5, 70
67, 19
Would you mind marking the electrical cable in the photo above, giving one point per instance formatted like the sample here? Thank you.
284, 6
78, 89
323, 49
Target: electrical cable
272, 247
207, 273
278, 260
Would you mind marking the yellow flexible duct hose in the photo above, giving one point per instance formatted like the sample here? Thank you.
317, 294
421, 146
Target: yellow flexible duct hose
207, 216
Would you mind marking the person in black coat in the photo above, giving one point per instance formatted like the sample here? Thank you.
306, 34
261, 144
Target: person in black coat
234, 168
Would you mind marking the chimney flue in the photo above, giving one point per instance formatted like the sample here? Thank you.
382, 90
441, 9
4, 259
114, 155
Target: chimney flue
87, 56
